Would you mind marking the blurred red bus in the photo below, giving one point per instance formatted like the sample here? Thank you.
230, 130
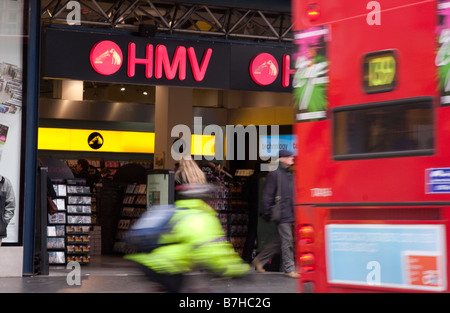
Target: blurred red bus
372, 93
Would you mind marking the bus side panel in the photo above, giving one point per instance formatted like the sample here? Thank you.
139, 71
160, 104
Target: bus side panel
443, 138
320, 179
353, 38
400, 179
335, 11
313, 164
385, 218
379, 192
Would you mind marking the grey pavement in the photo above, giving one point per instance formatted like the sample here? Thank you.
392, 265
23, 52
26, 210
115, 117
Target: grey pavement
113, 274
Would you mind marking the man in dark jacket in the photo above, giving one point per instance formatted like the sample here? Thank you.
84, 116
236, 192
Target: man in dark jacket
280, 183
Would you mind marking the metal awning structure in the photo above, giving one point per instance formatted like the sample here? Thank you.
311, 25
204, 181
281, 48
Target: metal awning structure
214, 19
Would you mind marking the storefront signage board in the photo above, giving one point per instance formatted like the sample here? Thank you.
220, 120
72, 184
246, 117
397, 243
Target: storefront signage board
131, 59
67, 139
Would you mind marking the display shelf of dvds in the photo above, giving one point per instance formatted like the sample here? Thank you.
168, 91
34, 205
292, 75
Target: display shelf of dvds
56, 244
232, 213
238, 217
219, 202
134, 204
229, 203
79, 200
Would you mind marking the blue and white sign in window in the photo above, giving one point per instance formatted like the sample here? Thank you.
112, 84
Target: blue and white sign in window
269, 146
437, 180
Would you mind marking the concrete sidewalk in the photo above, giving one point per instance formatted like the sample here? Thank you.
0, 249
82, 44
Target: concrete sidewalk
113, 274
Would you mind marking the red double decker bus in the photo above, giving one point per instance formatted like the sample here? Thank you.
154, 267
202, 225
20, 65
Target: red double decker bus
372, 93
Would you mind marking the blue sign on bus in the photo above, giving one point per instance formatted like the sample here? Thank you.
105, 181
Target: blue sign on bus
437, 180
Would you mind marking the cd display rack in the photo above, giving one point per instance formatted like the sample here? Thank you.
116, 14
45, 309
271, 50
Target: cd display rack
56, 244
134, 204
78, 224
238, 217
68, 230
232, 213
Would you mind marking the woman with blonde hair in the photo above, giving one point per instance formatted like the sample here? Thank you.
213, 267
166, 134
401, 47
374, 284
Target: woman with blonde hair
188, 172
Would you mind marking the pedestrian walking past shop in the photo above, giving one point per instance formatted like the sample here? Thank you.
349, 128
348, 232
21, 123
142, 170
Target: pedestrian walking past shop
278, 207
7, 205
194, 237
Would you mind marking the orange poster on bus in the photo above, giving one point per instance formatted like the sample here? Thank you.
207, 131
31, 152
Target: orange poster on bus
423, 270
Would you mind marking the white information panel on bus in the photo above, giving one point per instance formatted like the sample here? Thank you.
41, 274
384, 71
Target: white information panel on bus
387, 255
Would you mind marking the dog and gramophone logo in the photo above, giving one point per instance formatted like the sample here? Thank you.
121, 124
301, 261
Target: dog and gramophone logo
95, 140
106, 57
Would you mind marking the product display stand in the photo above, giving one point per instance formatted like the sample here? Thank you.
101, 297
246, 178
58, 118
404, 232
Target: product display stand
219, 202
134, 205
78, 225
56, 243
232, 213
237, 218
229, 203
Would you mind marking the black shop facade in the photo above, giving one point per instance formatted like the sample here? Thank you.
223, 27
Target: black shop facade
187, 69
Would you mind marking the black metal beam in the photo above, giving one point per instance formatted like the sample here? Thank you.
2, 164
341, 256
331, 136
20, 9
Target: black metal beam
249, 20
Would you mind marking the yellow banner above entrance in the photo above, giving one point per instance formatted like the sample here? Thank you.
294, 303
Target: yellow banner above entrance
65, 139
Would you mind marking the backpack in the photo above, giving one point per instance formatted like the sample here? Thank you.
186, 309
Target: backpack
144, 234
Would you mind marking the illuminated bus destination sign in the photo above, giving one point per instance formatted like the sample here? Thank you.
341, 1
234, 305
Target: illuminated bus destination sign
379, 71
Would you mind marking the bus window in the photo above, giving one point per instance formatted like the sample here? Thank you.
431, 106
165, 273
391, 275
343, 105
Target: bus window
386, 129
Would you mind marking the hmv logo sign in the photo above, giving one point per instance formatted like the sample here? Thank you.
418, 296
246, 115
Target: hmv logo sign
107, 58
168, 61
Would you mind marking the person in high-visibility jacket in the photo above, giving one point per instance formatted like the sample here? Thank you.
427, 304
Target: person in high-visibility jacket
196, 239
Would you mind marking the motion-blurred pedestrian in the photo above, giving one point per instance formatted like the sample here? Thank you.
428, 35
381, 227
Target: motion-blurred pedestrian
195, 237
